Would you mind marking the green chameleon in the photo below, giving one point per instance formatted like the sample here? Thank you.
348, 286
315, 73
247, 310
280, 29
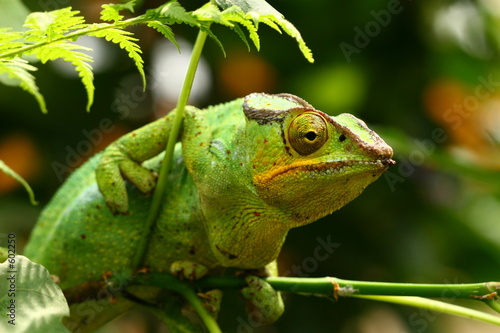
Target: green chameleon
245, 173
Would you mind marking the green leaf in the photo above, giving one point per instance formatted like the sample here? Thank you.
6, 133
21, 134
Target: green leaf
261, 11
209, 32
71, 53
125, 40
171, 12
165, 31
237, 15
211, 13
46, 26
9, 172
28, 291
111, 12
237, 29
18, 69
10, 40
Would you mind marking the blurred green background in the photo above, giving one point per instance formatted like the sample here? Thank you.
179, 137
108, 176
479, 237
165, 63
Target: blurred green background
423, 74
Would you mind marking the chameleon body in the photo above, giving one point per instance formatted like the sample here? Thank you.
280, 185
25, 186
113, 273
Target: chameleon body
245, 173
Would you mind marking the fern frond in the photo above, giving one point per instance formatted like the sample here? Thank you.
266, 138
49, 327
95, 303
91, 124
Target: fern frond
19, 69
111, 12
237, 29
171, 12
125, 40
10, 40
237, 15
290, 29
47, 26
71, 53
267, 20
211, 13
11, 173
206, 29
165, 31
260, 11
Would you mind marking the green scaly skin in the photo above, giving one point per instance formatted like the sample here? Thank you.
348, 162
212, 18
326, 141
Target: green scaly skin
245, 173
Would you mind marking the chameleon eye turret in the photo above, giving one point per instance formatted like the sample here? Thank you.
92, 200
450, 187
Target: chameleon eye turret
308, 133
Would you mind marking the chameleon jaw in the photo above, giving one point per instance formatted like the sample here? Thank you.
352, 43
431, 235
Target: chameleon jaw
332, 167
339, 166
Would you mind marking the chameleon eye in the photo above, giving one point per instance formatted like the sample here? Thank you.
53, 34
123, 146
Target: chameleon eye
307, 133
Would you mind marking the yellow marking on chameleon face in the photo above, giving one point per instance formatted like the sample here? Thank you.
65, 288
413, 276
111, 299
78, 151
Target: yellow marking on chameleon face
278, 170
307, 167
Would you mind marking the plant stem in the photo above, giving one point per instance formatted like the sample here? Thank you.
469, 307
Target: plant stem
350, 287
436, 306
410, 294
399, 293
327, 286
162, 184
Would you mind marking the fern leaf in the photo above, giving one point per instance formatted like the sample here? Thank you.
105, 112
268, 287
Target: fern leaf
165, 31
209, 32
47, 26
125, 40
268, 20
211, 13
290, 29
111, 12
261, 11
237, 15
9, 172
19, 69
237, 29
172, 12
10, 40
71, 53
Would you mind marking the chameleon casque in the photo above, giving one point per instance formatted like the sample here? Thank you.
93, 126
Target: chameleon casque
245, 173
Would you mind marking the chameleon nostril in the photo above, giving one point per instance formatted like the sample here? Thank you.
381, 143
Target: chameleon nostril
342, 138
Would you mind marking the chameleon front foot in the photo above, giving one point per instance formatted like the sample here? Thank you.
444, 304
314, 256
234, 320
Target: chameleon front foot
262, 300
114, 165
188, 270
211, 301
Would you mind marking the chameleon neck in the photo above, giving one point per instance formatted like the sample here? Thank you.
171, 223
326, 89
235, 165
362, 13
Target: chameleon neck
253, 240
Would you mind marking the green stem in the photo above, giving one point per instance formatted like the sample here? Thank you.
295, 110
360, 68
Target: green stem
350, 287
437, 306
162, 184
493, 304
400, 293
326, 286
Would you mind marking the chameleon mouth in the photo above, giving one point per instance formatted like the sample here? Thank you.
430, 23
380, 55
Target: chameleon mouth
330, 168
340, 166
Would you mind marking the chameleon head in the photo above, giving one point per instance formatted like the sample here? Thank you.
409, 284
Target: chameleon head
306, 162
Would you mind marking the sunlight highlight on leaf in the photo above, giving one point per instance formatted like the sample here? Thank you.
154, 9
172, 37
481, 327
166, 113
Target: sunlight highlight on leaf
18, 69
